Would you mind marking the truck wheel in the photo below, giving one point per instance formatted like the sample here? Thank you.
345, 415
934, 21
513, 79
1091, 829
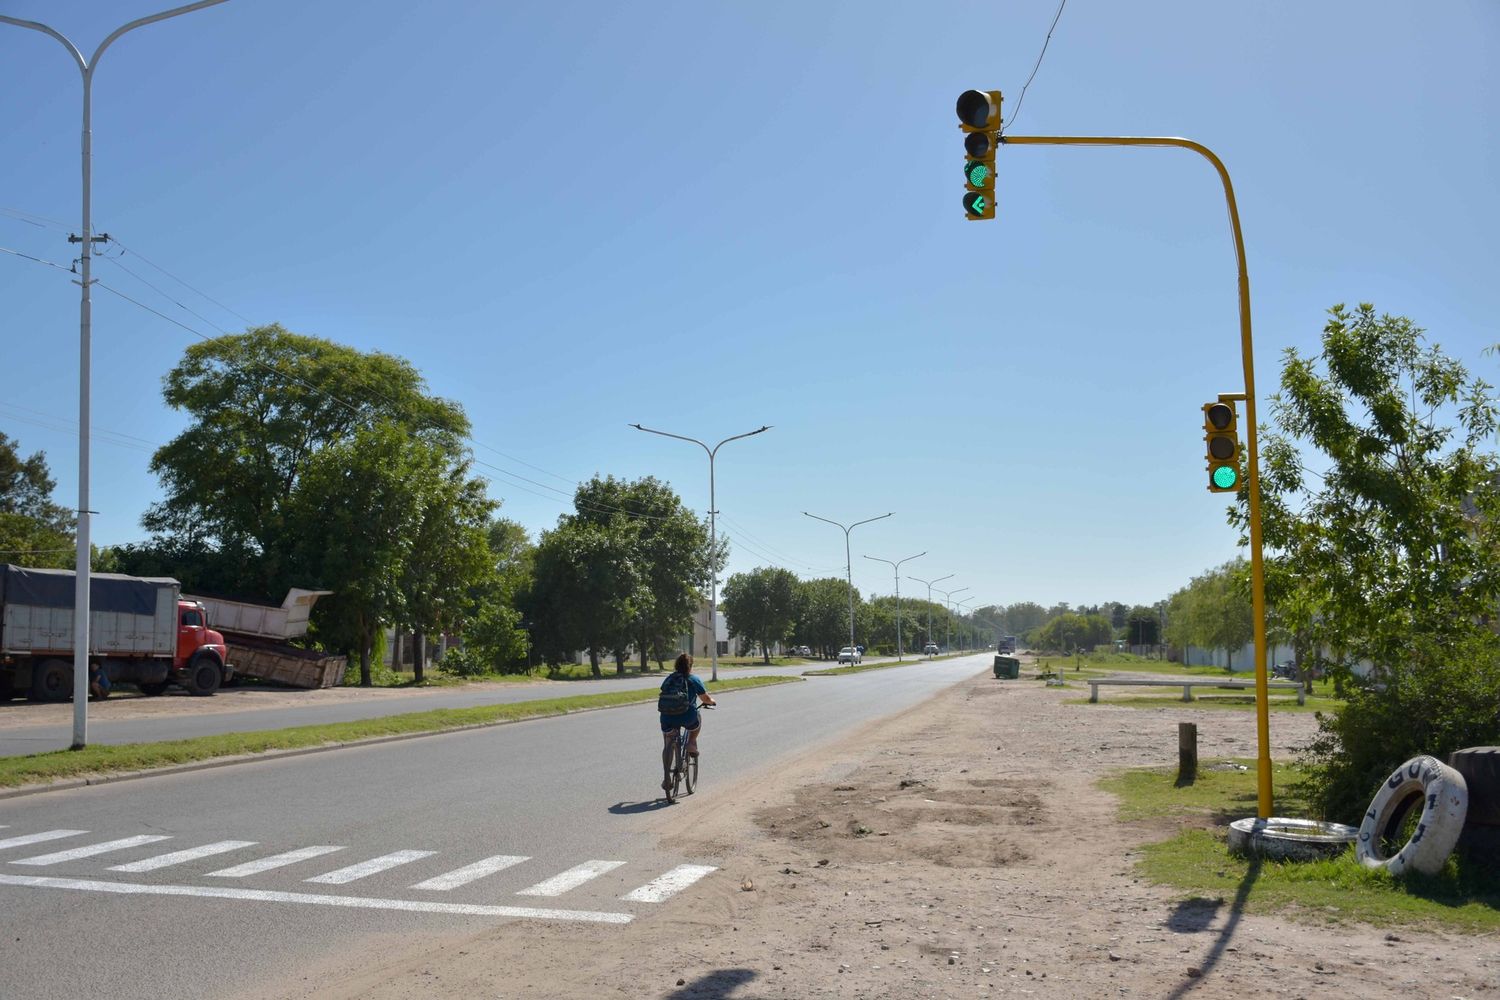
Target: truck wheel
151, 690
52, 680
204, 676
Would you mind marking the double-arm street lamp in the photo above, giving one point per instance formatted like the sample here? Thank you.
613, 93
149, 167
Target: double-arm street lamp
85, 239
713, 535
948, 600
929, 584
849, 560
897, 567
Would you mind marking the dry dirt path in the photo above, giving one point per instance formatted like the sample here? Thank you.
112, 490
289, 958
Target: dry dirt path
960, 849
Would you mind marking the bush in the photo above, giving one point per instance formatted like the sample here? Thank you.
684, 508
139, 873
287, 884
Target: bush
464, 662
1437, 701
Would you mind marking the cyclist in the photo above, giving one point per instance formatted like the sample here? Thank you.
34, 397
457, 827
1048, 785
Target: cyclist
691, 720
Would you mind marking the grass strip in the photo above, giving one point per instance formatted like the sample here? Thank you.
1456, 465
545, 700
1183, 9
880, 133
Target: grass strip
108, 759
1463, 897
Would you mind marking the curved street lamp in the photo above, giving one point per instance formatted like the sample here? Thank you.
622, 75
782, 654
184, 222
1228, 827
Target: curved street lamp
713, 534
85, 239
897, 567
948, 600
849, 560
929, 584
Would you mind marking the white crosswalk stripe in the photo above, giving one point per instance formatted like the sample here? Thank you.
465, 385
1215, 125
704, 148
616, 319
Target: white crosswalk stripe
571, 879
275, 861
469, 873
58, 857
670, 884
37, 838
366, 868
181, 857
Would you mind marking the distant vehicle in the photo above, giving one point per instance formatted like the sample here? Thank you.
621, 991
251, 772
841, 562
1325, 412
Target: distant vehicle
850, 655
931, 649
1007, 644
802, 651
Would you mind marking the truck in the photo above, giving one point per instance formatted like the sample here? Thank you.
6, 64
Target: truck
258, 636
1006, 644
141, 632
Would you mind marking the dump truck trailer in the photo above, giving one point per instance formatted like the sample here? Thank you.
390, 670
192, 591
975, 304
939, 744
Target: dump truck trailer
140, 632
257, 636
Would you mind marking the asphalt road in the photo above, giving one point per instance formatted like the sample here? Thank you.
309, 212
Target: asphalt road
209, 884
22, 735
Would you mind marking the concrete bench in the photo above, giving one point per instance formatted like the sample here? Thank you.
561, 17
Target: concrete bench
1188, 685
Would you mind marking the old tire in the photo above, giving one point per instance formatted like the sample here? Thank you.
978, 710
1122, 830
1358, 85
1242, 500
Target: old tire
52, 680
150, 689
1282, 839
1480, 767
1444, 799
204, 676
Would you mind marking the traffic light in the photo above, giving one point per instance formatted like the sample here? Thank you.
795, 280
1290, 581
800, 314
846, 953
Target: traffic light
1223, 444
979, 117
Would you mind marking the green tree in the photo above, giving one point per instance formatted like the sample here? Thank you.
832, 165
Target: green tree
1142, 626
585, 588
1388, 555
34, 531
669, 553
823, 623
1213, 611
762, 606
261, 406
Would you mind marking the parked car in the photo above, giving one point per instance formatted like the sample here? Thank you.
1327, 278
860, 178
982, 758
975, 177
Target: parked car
850, 655
802, 651
931, 649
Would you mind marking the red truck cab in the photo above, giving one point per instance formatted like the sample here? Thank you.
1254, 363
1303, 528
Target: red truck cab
202, 660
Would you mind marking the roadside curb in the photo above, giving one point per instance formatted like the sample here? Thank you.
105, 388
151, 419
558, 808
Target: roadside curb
271, 755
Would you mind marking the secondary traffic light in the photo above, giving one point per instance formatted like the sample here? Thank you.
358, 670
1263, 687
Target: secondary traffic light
1222, 441
979, 117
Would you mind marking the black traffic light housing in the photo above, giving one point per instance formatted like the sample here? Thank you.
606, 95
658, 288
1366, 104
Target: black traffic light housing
1221, 440
979, 118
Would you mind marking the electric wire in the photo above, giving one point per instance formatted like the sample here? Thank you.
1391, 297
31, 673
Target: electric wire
39, 260
1038, 65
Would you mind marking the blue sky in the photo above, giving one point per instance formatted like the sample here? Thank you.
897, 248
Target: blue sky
706, 217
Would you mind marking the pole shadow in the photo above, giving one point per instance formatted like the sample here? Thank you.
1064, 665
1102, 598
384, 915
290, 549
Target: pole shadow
1192, 916
714, 985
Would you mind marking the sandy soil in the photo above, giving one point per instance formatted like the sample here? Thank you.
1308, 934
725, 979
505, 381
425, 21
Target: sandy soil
959, 850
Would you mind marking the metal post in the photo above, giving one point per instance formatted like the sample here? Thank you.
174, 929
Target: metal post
897, 567
1252, 461
85, 352
948, 600
848, 561
713, 536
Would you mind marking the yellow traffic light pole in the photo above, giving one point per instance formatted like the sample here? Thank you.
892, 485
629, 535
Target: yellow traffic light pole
1257, 562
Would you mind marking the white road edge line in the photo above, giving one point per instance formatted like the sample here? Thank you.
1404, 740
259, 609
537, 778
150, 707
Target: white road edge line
571, 879
468, 873
275, 861
313, 899
88, 852
37, 838
370, 867
672, 882
179, 857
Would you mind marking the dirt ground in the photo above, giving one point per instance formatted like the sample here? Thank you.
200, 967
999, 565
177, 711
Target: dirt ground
959, 850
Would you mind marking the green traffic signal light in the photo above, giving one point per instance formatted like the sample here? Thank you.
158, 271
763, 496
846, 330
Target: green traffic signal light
1226, 477
977, 173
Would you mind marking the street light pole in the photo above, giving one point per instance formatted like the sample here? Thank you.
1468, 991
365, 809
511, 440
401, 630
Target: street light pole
849, 560
948, 600
85, 334
897, 567
713, 535
929, 584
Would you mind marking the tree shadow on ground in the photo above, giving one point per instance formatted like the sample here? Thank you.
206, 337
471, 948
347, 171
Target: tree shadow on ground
716, 984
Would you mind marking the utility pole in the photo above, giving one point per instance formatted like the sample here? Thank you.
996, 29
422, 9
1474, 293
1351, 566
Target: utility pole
929, 584
897, 567
848, 560
86, 240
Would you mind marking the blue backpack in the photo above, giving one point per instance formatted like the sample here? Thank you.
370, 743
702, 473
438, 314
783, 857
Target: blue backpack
676, 695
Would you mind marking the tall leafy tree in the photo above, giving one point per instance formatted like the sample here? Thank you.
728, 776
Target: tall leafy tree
261, 405
34, 531
1389, 554
585, 589
823, 623
762, 606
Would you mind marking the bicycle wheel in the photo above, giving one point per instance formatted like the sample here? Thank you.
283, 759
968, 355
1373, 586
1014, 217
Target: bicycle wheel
690, 774
679, 755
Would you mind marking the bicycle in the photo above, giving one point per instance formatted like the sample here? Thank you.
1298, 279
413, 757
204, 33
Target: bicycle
684, 773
